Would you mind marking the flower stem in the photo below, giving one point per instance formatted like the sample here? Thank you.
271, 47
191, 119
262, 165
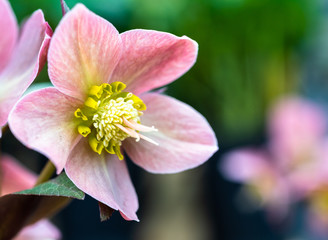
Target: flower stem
46, 173
4, 129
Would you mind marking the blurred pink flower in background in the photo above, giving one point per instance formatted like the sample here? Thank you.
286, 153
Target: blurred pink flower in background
296, 128
265, 186
15, 177
292, 167
21, 58
84, 122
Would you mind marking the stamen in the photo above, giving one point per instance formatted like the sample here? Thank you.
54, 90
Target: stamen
142, 128
129, 131
148, 139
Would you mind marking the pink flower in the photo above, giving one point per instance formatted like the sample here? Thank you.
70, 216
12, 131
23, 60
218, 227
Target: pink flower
265, 185
298, 144
296, 127
20, 60
15, 177
294, 161
100, 107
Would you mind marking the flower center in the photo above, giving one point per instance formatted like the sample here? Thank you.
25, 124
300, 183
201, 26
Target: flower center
109, 116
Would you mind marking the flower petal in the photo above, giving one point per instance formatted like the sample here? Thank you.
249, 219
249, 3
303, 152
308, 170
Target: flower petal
28, 58
42, 230
184, 136
14, 177
244, 165
83, 52
152, 59
9, 32
44, 119
104, 177
295, 115
264, 185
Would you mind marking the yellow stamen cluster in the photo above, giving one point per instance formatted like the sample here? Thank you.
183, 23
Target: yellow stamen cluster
103, 116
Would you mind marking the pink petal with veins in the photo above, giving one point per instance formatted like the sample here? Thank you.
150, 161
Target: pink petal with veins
9, 32
83, 52
152, 59
28, 58
104, 177
184, 136
44, 121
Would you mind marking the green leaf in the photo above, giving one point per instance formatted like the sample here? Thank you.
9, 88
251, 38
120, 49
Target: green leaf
59, 186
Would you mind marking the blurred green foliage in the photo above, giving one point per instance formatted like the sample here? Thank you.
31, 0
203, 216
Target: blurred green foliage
249, 51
